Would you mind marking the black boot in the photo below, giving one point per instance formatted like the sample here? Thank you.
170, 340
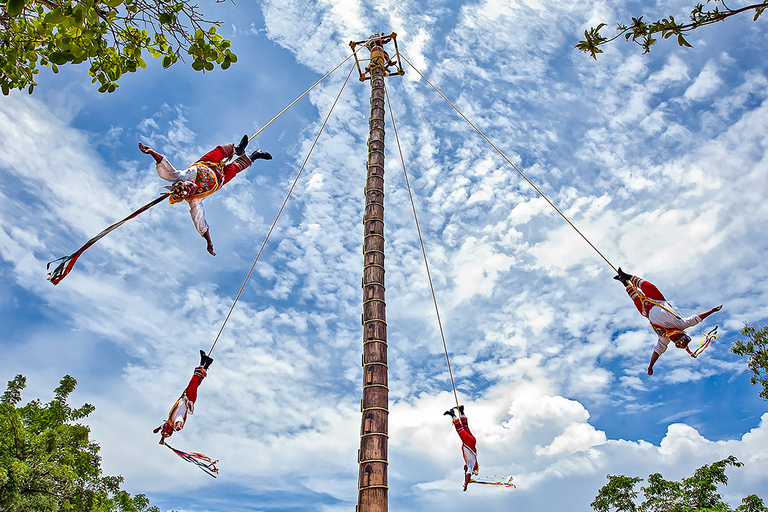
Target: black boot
260, 155
205, 361
240, 148
622, 277
450, 413
461, 410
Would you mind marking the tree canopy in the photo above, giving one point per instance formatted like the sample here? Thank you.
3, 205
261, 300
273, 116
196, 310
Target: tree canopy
48, 462
111, 35
756, 349
691, 494
642, 33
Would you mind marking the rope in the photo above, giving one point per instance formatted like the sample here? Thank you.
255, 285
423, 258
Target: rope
510, 163
423, 251
305, 93
290, 191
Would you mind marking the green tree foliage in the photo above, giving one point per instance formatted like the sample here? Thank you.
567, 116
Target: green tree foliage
643, 33
111, 35
756, 348
48, 463
691, 494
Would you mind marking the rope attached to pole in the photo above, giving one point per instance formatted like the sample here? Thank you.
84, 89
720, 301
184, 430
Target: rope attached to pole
423, 251
305, 93
512, 164
290, 191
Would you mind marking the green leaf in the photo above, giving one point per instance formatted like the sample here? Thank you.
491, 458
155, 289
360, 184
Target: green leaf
14, 7
57, 58
54, 17
78, 15
682, 42
164, 18
113, 3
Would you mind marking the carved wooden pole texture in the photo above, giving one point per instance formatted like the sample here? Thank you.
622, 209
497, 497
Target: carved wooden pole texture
372, 457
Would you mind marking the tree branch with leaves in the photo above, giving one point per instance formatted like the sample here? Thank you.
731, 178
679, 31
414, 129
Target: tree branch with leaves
694, 493
48, 462
756, 350
643, 34
111, 35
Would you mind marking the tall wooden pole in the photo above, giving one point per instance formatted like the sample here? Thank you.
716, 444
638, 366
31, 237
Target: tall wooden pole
372, 456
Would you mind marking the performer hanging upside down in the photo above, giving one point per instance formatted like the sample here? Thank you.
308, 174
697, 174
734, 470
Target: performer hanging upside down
204, 177
186, 403
468, 443
663, 315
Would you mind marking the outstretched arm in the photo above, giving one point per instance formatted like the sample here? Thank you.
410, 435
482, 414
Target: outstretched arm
149, 151
207, 237
198, 217
713, 310
654, 358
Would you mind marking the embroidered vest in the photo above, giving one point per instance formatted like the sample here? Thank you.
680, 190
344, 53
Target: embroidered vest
665, 332
207, 178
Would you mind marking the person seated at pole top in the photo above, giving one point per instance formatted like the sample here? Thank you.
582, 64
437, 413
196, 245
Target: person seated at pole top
204, 177
663, 315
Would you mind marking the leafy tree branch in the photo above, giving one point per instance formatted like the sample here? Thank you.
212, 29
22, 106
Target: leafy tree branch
691, 494
642, 33
111, 35
48, 462
756, 349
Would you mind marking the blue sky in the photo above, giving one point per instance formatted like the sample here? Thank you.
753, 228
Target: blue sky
659, 159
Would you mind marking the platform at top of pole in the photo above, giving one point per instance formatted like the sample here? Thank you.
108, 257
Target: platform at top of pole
379, 56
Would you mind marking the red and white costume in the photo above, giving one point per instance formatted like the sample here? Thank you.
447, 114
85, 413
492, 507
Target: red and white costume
468, 449
184, 405
208, 174
663, 315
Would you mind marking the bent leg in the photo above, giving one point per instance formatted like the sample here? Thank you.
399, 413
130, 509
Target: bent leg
650, 291
218, 154
231, 170
194, 383
167, 171
647, 289
462, 428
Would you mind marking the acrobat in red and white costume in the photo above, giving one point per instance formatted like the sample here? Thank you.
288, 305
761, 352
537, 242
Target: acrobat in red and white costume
468, 446
208, 174
204, 177
186, 402
662, 314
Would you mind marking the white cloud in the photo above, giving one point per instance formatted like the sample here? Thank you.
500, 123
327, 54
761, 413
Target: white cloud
705, 84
